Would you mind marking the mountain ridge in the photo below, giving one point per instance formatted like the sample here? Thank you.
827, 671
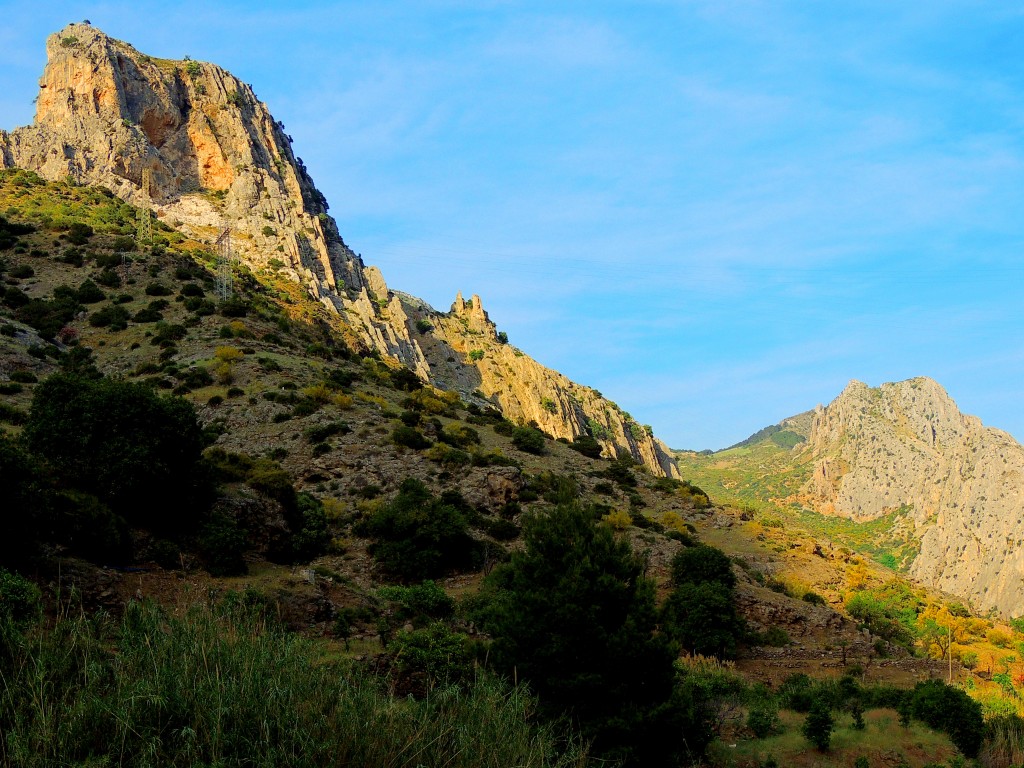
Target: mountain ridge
905, 447
215, 159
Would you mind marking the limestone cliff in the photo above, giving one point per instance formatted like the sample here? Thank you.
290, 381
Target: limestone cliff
875, 450
215, 158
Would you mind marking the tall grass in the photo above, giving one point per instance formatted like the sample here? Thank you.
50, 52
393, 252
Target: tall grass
1004, 743
222, 687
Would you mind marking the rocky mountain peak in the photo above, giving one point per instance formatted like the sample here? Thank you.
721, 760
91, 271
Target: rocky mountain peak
187, 139
194, 144
906, 447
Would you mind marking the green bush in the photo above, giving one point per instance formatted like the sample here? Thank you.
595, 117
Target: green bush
47, 316
409, 437
586, 445
109, 278
435, 654
89, 293
459, 435
90, 529
814, 598
702, 618
951, 710
620, 472
20, 599
418, 536
763, 719
311, 535
79, 233
138, 453
703, 564
222, 544
529, 440
419, 603
320, 432
112, 316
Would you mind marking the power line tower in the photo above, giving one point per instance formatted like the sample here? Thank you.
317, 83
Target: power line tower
225, 286
145, 228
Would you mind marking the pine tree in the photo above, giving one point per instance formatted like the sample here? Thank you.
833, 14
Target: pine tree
819, 724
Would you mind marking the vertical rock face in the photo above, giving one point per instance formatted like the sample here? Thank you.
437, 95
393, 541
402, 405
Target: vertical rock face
215, 158
907, 445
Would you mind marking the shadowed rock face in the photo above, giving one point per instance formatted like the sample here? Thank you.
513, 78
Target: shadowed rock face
215, 157
907, 444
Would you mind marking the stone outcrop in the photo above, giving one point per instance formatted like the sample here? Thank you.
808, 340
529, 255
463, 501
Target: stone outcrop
907, 446
191, 142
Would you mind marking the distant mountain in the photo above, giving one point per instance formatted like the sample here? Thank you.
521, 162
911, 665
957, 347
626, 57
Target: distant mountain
193, 143
905, 451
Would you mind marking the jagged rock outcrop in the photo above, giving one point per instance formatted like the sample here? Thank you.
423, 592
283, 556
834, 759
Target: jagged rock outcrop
215, 158
906, 445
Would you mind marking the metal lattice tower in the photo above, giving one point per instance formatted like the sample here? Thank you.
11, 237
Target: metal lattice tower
145, 228
225, 282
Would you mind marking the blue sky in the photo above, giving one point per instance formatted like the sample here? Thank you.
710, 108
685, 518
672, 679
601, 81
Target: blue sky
716, 213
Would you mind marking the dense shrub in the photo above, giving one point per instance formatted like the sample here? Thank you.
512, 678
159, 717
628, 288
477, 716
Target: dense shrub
418, 536
89, 293
700, 613
426, 658
529, 440
419, 603
814, 598
763, 719
90, 528
409, 437
20, 599
703, 564
79, 233
818, 726
311, 536
621, 473
702, 618
112, 316
222, 544
586, 445
11, 231
951, 710
47, 316
459, 435
136, 452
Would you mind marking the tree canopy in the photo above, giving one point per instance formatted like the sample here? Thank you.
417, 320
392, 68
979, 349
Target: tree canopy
135, 451
573, 615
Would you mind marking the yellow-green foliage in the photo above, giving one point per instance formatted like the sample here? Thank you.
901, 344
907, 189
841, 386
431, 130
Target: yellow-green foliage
618, 520
434, 401
228, 354
319, 393
333, 508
